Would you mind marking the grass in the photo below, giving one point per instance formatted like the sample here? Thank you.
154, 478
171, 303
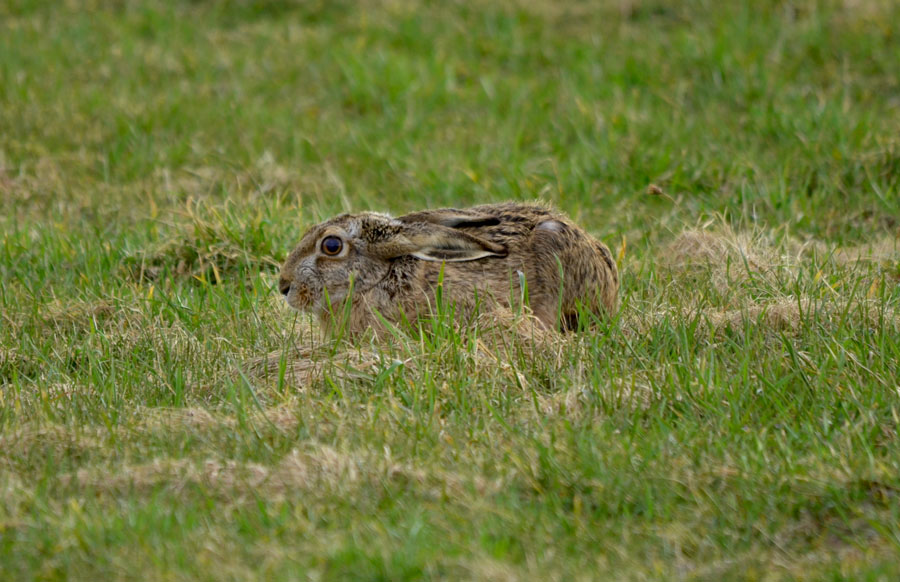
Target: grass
164, 416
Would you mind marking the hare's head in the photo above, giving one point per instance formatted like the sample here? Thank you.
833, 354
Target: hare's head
357, 251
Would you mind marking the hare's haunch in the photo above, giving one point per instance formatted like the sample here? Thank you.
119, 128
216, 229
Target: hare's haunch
489, 254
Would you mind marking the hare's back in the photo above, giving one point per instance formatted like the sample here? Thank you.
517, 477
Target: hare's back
517, 223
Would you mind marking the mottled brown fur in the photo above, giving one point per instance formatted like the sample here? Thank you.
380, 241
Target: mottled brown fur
492, 252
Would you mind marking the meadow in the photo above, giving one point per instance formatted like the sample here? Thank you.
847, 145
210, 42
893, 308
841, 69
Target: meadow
164, 416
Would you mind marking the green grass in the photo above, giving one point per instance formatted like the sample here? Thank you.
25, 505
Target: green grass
164, 416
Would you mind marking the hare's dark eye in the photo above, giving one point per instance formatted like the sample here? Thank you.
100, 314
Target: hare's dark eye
332, 245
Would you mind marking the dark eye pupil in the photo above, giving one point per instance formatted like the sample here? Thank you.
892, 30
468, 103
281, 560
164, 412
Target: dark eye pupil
331, 245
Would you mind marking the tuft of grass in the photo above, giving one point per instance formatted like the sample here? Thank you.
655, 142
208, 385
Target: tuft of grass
164, 415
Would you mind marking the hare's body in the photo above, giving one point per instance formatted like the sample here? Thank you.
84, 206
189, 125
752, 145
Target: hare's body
490, 254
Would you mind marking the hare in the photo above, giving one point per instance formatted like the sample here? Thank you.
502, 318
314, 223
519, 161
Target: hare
491, 254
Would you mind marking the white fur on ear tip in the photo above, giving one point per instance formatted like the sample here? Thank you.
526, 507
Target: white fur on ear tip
424, 255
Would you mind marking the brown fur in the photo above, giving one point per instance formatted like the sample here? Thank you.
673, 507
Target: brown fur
491, 252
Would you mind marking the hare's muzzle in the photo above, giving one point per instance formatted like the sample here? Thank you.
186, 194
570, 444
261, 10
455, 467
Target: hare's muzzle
296, 294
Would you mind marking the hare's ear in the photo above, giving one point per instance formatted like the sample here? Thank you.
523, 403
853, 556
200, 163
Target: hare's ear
447, 244
451, 218
431, 242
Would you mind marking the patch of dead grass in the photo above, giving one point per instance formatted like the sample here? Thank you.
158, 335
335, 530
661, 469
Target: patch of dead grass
867, 11
785, 314
500, 339
77, 313
302, 367
193, 419
169, 419
571, 403
313, 468
883, 251
731, 259
728, 256
209, 243
51, 437
788, 314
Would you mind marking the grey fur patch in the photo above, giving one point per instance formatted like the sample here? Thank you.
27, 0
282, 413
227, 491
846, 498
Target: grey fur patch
550, 225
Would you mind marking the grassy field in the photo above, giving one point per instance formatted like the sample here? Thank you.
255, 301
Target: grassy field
164, 416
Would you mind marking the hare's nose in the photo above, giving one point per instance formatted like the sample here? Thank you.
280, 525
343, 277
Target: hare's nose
284, 286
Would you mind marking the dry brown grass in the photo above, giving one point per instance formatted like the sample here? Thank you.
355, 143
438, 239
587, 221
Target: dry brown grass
885, 250
77, 313
283, 417
787, 314
727, 256
738, 263
303, 366
317, 469
717, 246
